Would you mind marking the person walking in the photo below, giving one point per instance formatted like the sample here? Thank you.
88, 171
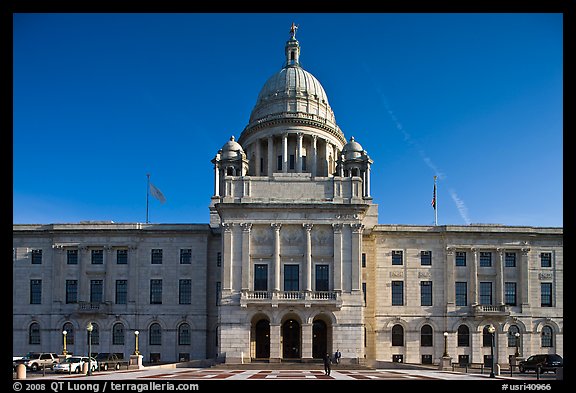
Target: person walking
337, 356
327, 362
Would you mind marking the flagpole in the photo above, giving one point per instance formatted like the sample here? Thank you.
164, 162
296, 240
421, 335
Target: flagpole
147, 194
435, 202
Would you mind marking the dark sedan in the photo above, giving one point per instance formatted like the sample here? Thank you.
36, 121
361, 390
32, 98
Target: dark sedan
541, 363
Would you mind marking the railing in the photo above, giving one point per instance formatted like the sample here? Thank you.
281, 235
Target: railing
482, 309
91, 307
260, 297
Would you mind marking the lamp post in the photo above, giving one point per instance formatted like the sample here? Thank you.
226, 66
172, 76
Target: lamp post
64, 333
136, 333
445, 345
89, 328
491, 330
517, 335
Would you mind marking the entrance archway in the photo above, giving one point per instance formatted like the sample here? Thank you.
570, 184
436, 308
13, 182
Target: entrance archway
291, 339
262, 334
319, 339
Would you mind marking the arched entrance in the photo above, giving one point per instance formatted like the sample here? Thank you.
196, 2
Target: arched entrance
319, 339
291, 339
262, 334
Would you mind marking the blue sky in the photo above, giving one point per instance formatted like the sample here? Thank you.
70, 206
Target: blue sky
100, 100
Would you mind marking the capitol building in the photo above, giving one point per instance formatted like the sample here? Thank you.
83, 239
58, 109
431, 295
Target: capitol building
292, 264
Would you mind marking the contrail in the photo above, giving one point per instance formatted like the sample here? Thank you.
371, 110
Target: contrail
462, 209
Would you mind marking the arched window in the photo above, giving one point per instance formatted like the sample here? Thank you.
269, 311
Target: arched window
547, 336
486, 337
512, 340
463, 336
69, 333
95, 334
184, 336
34, 334
155, 336
118, 334
397, 336
426, 336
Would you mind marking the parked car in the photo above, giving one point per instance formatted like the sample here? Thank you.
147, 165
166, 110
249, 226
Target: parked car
36, 360
108, 360
74, 364
541, 363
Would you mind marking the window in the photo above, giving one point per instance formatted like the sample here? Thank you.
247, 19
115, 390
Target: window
36, 257
291, 278
486, 337
486, 293
35, 291
72, 257
303, 163
96, 291
71, 291
95, 335
426, 359
155, 291
219, 259
463, 360
397, 336
485, 259
546, 294
487, 360
546, 337
279, 166
396, 257
426, 336
460, 258
121, 291
463, 336
397, 293
185, 256
184, 336
260, 277
546, 259
97, 257
363, 259
218, 292
122, 257
118, 334
425, 258
34, 334
156, 256
461, 293
185, 291
510, 293
425, 293
510, 259
512, 340
364, 294
291, 161
69, 333
155, 336
322, 278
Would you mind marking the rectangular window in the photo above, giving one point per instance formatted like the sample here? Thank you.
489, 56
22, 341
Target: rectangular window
96, 291
156, 256
461, 293
35, 291
425, 293
485, 259
121, 291
72, 257
396, 257
425, 258
36, 257
97, 257
218, 292
510, 259
546, 259
397, 293
219, 259
510, 293
291, 161
122, 257
303, 163
156, 291
322, 283
363, 259
260, 277
364, 294
486, 293
185, 256
460, 258
261, 166
291, 279
71, 291
546, 294
185, 291
279, 166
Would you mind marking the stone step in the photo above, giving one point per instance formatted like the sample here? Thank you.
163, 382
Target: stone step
289, 365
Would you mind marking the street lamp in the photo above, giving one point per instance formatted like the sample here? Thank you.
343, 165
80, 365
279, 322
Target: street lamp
89, 328
64, 333
445, 345
517, 335
491, 330
136, 333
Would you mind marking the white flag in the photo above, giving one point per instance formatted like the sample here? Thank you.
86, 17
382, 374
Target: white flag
156, 193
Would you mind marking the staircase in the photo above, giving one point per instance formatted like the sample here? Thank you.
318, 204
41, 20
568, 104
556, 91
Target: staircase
290, 364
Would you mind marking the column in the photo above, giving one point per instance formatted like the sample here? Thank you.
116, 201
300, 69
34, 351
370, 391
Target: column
356, 256
299, 152
246, 227
276, 259
449, 282
337, 256
109, 282
308, 258
327, 150
500, 277
285, 153
257, 157
134, 275
368, 181
314, 156
307, 341
227, 249
270, 156
474, 278
84, 282
524, 280
275, 344
216, 180
58, 290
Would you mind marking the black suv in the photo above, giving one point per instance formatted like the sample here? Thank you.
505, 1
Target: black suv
541, 363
